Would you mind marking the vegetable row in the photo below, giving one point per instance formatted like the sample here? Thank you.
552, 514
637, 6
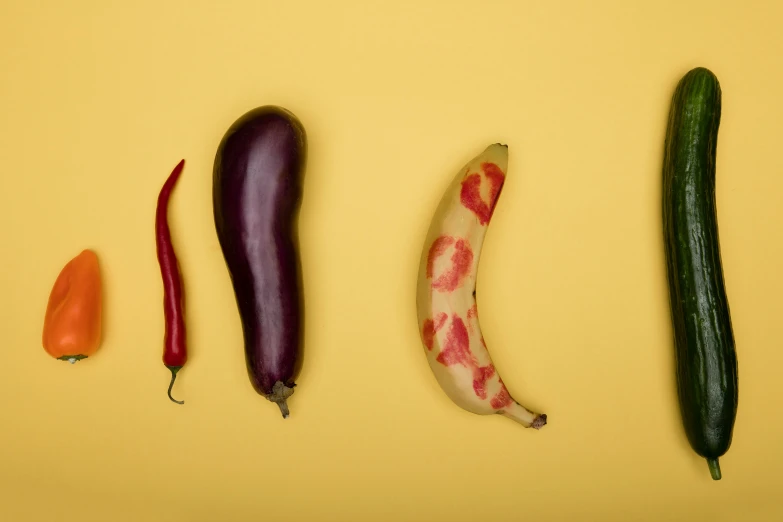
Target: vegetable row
258, 180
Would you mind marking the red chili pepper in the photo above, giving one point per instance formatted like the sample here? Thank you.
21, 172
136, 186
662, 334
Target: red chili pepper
175, 350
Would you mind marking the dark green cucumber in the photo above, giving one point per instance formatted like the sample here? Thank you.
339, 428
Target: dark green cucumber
706, 361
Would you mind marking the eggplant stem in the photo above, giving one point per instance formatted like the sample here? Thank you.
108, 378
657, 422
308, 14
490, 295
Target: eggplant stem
283, 408
174, 370
280, 392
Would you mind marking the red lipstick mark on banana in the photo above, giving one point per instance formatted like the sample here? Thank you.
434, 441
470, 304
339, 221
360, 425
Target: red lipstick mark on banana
470, 195
431, 327
457, 351
502, 399
451, 275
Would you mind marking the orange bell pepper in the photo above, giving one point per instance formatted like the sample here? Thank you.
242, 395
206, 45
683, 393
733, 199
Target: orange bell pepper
72, 326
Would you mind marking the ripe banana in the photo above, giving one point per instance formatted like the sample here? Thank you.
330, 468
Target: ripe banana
446, 295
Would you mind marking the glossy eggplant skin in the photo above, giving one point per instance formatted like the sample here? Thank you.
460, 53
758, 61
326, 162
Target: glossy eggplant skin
257, 193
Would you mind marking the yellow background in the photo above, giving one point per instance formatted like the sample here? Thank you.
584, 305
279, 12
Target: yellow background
99, 100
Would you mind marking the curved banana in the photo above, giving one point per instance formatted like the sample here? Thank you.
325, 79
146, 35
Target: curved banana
446, 295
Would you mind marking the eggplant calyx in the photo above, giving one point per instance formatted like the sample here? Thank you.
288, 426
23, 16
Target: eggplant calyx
280, 392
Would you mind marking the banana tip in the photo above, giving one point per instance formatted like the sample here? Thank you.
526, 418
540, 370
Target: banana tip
539, 421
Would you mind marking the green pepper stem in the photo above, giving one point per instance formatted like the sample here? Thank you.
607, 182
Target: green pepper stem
174, 370
72, 358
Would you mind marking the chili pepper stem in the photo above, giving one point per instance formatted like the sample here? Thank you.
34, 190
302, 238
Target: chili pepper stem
174, 370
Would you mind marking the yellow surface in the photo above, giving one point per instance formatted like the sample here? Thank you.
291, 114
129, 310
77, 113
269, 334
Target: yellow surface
99, 100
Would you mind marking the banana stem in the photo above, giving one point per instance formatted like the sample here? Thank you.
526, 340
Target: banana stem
525, 417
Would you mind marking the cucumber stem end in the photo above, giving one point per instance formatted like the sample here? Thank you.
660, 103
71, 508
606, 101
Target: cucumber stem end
714, 469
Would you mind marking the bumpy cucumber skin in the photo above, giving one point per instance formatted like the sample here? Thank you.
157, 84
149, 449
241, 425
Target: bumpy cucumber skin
706, 359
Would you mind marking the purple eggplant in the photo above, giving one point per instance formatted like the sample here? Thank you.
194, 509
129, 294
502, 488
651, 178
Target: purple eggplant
256, 195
